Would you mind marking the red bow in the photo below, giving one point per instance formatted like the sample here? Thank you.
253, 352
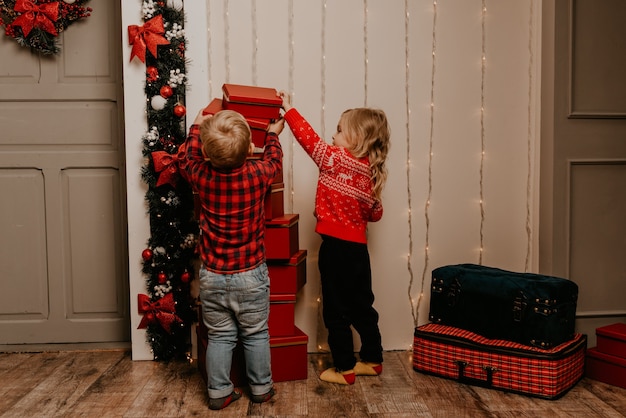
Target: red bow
149, 35
167, 165
34, 16
161, 311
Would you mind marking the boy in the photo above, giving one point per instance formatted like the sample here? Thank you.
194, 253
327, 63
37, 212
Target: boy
234, 283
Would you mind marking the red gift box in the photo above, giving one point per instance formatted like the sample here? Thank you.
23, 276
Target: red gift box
275, 201
281, 237
288, 277
213, 107
605, 367
252, 101
288, 356
611, 339
282, 315
258, 126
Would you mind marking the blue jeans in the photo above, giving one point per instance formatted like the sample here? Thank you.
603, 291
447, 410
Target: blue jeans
236, 307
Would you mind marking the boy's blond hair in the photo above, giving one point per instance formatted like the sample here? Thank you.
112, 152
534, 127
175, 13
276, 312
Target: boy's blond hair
226, 139
368, 134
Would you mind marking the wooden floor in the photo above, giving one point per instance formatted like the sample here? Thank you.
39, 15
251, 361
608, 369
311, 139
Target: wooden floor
109, 384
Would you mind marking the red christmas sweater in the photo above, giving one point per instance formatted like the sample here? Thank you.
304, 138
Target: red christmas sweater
343, 201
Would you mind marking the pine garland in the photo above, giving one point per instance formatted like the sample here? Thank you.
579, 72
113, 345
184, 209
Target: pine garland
171, 251
38, 23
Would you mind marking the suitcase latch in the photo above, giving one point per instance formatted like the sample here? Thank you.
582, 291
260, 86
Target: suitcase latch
544, 311
437, 285
545, 302
519, 306
454, 293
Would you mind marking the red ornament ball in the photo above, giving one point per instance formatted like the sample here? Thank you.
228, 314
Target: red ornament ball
162, 277
166, 91
147, 254
179, 110
185, 277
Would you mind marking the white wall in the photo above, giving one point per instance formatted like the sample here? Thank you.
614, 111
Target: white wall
337, 54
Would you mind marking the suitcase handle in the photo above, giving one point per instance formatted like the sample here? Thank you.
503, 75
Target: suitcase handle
473, 381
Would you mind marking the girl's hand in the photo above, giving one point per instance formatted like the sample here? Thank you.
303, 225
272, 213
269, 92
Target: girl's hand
286, 100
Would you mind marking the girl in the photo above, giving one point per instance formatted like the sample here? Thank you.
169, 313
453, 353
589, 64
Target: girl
352, 174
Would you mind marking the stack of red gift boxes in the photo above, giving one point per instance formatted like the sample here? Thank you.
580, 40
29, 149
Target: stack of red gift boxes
606, 361
286, 261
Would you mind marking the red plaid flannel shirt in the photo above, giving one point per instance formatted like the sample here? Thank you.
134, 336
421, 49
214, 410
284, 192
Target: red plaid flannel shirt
232, 218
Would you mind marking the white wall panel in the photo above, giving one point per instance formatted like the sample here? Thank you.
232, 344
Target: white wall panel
347, 51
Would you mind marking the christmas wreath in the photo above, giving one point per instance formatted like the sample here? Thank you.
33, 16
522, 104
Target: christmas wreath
38, 23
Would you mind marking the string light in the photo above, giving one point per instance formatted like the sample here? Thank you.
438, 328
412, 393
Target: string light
255, 43
227, 40
209, 49
415, 310
290, 29
409, 265
365, 52
320, 319
529, 136
482, 132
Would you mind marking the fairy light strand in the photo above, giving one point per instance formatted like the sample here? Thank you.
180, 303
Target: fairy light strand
227, 40
320, 319
430, 165
209, 47
323, 70
408, 156
482, 131
365, 53
290, 85
529, 136
255, 42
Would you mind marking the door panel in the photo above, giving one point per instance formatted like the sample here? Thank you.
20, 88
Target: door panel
583, 181
64, 260
23, 256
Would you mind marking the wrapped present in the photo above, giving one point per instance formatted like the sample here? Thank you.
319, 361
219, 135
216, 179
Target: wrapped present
258, 126
288, 277
282, 315
611, 339
213, 107
288, 356
252, 101
275, 201
281, 237
605, 367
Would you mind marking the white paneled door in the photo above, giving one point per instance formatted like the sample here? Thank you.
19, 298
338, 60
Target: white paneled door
583, 173
63, 257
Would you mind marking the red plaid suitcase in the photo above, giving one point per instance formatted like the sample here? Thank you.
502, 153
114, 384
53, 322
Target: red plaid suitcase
469, 358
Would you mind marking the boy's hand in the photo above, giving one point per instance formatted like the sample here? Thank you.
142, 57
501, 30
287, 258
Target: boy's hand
286, 100
201, 118
277, 126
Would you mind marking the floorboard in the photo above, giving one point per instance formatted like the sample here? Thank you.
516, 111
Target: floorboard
107, 383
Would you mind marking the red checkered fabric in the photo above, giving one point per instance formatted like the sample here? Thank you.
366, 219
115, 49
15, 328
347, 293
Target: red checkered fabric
459, 354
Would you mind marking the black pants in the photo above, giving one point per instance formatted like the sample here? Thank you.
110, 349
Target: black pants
348, 300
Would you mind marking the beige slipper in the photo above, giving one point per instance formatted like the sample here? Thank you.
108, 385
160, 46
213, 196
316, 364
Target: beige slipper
364, 368
333, 376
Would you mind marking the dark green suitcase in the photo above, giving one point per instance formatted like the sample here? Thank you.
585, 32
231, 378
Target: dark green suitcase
527, 308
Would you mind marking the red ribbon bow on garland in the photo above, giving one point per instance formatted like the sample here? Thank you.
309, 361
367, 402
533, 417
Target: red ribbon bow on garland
35, 16
166, 164
149, 36
161, 311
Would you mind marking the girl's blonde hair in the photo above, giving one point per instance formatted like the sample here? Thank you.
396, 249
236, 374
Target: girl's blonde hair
368, 134
225, 139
